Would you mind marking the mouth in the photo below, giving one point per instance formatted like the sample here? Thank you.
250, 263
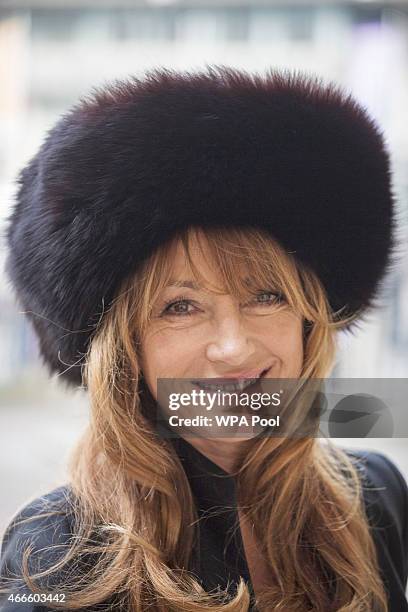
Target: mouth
230, 384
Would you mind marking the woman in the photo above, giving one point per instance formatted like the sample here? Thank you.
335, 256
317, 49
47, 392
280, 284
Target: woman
205, 226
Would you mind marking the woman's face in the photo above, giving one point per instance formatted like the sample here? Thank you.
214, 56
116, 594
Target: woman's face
194, 333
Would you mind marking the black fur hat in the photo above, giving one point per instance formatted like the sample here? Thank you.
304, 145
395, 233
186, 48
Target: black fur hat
137, 160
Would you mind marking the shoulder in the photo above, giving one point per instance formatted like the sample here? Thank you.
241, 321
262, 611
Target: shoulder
385, 495
384, 488
44, 520
43, 527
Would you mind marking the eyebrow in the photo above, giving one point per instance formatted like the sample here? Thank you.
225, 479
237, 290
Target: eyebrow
191, 284
183, 283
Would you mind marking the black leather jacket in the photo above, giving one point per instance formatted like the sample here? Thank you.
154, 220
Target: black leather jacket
221, 557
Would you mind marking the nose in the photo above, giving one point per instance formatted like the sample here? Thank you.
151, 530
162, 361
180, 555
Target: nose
231, 342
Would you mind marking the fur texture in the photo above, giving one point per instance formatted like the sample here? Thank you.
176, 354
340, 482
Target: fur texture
136, 160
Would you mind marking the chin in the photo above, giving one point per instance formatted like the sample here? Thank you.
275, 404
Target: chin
236, 439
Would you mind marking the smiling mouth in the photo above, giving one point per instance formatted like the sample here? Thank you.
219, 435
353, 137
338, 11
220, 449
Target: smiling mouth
227, 385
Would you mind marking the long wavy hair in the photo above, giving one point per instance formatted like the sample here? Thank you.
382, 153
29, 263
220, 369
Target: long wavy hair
134, 514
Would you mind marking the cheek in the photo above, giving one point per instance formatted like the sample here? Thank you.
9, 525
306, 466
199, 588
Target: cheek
286, 341
164, 354
298, 352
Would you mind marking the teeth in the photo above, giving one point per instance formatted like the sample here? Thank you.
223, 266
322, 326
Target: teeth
238, 386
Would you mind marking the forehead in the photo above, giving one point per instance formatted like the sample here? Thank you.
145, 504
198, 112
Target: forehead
208, 277
181, 272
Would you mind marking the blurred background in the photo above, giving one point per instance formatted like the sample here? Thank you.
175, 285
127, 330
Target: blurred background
52, 52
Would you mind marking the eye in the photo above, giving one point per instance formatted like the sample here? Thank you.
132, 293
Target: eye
180, 307
177, 307
266, 298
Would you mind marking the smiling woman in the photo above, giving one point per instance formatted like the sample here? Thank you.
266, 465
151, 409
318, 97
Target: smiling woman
208, 266
217, 327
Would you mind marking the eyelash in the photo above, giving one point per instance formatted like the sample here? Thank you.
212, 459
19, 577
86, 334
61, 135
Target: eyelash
183, 298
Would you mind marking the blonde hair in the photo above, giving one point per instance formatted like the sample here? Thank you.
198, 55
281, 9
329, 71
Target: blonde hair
134, 510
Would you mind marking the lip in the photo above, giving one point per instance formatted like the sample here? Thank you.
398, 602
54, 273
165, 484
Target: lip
240, 375
235, 384
228, 378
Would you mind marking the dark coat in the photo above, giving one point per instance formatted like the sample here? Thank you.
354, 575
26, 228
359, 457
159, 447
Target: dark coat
222, 555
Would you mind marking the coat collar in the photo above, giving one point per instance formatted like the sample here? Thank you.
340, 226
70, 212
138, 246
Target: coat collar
211, 485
